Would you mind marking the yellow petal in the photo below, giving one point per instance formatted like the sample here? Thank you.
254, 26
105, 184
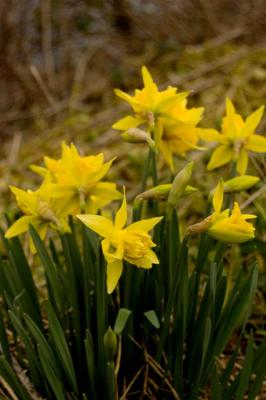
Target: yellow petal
256, 143
127, 123
218, 196
106, 192
121, 215
222, 155
148, 82
101, 225
144, 225
242, 162
230, 118
211, 135
167, 153
252, 121
57, 190
126, 97
114, 272
101, 172
26, 199
21, 226
38, 170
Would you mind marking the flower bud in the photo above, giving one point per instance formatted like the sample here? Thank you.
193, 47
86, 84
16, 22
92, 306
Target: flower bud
240, 183
179, 185
136, 135
110, 344
161, 192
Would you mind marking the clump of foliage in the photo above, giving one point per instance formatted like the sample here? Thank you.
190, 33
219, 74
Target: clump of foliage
128, 311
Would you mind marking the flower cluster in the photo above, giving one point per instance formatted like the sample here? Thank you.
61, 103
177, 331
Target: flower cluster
71, 185
74, 185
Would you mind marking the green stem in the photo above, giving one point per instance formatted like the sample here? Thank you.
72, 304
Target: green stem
146, 169
110, 381
154, 168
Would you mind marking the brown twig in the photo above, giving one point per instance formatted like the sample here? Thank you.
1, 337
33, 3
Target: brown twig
159, 371
43, 87
135, 377
8, 389
253, 197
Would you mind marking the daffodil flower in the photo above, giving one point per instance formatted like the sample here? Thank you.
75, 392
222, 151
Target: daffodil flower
39, 212
236, 139
132, 243
172, 124
76, 180
147, 103
226, 226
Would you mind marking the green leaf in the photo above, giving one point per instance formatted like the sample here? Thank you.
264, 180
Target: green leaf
237, 302
34, 365
61, 347
3, 340
152, 318
24, 271
51, 376
121, 320
9, 375
43, 344
216, 387
90, 359
50, 269
246, 370
72, 288
259, 369
206, 340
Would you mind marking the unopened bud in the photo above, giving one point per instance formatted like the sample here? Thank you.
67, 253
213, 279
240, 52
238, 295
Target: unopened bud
110, 344
240, 183
136, 135
159, 192
179, 185
200, 226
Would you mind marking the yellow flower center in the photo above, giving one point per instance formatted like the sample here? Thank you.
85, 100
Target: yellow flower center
136, 244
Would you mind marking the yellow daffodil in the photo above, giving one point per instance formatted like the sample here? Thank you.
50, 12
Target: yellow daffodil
236, 139
77, 180
223, 225
171, 124
177, 139
132, 243
147, 103
39, 212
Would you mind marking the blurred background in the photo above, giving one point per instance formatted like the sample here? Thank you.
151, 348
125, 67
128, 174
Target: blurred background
61, 59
